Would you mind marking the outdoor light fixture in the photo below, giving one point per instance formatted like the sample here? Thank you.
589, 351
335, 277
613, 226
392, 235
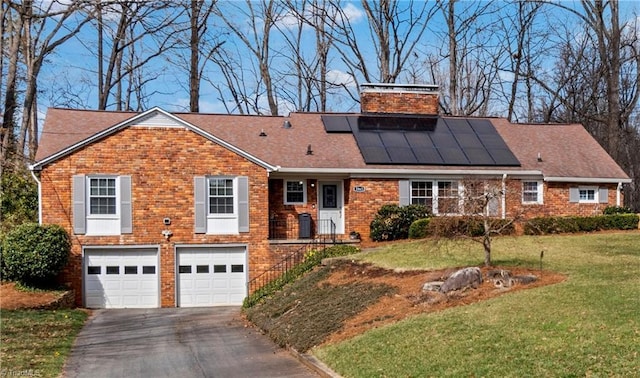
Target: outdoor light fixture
309, 150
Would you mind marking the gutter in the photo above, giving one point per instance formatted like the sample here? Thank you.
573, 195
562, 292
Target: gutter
599, 180
369, 172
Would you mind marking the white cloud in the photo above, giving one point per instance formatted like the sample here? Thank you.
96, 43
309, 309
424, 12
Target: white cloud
337, 77
353, 13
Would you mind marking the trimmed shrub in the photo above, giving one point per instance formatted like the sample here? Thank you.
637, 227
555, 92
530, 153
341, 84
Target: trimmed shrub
392, 221
418, 229
450, 227
311, 259
33, 255
558, 225
611, 210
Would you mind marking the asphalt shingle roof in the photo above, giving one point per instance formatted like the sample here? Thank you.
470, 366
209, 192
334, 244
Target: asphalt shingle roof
566, 150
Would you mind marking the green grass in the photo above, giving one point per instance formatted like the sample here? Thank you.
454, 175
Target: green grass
588, 325
37, 342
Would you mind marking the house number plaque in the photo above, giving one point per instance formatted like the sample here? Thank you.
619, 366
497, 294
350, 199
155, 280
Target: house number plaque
358, 189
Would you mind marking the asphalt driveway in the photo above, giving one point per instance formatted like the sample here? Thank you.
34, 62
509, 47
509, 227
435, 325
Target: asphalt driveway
177, 342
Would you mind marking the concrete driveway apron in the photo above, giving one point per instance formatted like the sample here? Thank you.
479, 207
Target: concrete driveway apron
177, 342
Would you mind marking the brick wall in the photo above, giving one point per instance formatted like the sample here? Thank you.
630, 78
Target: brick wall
400, 102
556, 201
162, 163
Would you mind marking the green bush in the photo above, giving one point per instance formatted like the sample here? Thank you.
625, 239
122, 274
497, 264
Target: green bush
33, 255
311, 260
557, 225
611, 210
418, 229
450, 227
392, 222
18, 200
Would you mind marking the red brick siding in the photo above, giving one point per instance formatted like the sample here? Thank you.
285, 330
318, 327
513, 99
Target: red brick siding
556, 201
162, 163
399, 102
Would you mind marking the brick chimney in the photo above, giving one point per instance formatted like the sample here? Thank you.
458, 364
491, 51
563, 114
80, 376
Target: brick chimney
399, 98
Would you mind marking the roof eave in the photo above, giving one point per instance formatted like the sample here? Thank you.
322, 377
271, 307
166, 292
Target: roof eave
601, 180
377, 172
108, 131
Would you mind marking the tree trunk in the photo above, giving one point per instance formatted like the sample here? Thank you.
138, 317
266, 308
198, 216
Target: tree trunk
194, 64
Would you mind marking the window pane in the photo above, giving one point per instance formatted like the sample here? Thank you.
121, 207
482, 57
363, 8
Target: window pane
102, 193
448, 201
130, 270
202, 269
149, 269
219, 269
530, 191
237, 268
93, 270
184, 269
113, 270
220, 196
295, 191
422, 193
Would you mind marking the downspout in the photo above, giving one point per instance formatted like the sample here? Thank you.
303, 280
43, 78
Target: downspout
504, 196
619, 195
39, 194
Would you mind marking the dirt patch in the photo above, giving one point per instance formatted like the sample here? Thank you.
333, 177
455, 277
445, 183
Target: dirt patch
12, 298
409, 298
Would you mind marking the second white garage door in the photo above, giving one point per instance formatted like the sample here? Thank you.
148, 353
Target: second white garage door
212, 276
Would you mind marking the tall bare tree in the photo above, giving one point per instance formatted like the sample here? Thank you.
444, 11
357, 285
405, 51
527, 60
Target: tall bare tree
41, 27
251, 24
136, 33
471, 62
394, 29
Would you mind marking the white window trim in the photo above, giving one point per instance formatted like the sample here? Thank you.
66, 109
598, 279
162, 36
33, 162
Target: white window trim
234, 183
88, 197
596, 194
435, 197
304, 192
540, 198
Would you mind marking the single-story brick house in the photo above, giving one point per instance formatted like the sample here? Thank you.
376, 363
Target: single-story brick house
180, 209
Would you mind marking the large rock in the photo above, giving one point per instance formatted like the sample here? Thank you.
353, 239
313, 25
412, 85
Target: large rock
463, 278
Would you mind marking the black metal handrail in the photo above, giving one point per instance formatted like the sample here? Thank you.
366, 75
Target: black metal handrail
286, 264
283, 229
296, 257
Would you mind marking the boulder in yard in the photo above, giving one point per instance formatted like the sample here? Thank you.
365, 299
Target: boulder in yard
463, 278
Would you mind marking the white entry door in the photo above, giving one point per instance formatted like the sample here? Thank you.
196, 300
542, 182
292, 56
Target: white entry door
121, 278
330, 208
211, 276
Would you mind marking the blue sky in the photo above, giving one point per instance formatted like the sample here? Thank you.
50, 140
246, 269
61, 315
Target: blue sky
72, 69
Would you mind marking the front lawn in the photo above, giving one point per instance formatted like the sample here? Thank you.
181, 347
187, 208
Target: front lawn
588, 325
35, 343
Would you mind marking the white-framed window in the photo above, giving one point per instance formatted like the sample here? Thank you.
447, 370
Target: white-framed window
448, 197
221, 205
422, 193
103, 196
295, 192
221, 196
587, 194
532, 192
441, 197
102, 205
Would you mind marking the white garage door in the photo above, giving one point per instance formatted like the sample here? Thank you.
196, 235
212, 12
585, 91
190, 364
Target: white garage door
211, 276
121, 278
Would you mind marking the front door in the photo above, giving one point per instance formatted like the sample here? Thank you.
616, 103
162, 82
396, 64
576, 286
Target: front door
330, 217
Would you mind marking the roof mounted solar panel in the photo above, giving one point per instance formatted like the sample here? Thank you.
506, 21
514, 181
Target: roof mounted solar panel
335, 124
424, 140
396, 122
